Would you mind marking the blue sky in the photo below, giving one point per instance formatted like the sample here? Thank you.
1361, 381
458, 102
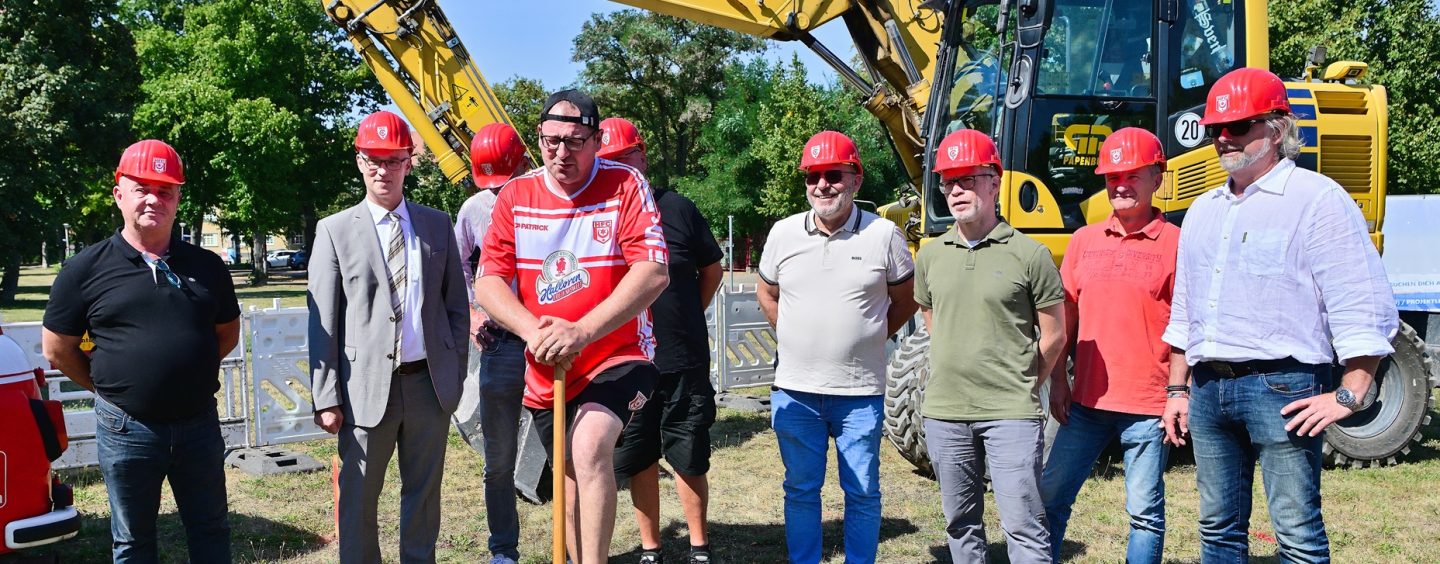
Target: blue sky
534, 38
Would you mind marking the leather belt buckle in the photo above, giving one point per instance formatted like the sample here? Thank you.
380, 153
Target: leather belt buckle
408, 368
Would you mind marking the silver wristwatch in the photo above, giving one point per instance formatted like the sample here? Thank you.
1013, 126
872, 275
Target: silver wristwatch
1345, 397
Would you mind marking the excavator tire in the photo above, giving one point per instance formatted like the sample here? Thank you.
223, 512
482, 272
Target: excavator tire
906, 376
1383, 433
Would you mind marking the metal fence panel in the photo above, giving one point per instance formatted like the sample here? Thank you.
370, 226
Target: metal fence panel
747, 351
280, 376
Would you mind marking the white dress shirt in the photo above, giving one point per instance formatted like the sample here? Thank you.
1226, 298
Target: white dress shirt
412, 345
1285, 269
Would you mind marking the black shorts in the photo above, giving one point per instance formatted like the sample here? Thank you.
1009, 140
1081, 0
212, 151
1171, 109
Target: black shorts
677, 420
622, 389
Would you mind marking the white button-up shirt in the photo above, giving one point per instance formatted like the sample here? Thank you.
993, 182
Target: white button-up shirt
1285, 269
412, 346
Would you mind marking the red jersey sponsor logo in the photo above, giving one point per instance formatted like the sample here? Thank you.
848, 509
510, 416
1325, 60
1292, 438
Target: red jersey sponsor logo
560, 277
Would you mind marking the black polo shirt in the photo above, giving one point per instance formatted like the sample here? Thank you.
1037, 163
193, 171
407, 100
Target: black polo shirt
156, 355
681, 339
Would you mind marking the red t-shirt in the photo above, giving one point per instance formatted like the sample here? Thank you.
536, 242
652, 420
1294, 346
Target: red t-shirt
569, 253
1122, 286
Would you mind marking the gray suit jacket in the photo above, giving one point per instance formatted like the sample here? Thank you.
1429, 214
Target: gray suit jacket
350, 328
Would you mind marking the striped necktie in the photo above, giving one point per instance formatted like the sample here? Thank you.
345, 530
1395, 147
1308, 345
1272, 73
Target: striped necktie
395, 263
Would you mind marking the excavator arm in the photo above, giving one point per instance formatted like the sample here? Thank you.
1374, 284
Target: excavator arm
420, 61
422, 64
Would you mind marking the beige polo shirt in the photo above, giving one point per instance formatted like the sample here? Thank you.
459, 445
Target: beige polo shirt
834, 297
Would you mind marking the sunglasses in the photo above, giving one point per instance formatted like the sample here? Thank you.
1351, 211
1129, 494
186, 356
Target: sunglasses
170, 275
832, 176
1233, 128
966, 182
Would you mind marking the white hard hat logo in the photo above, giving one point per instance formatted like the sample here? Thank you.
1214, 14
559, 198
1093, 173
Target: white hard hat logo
382, 131
1115, 156
158, 164
605, 138
815, 152
1222, 102
487, 169
953, 152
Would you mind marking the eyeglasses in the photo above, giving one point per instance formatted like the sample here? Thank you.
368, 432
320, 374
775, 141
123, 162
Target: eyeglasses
388, 164
1234, 128
967, 182
832, 176
572, 144
170, 275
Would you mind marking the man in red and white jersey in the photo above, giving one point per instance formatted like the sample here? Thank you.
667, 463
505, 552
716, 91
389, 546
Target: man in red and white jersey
581, 241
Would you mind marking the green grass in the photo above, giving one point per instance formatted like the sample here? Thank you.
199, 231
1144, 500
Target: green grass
1373, 515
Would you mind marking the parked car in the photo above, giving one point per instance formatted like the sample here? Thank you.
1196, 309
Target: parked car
300, 260
278, 259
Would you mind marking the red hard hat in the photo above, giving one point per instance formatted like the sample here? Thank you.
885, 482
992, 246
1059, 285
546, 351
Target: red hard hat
383, 131
966, 148
1245, 93
495, 153
152, 160
1129, 149
830, 147
618, 135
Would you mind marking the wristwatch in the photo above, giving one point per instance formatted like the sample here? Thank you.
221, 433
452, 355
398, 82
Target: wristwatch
1345, 397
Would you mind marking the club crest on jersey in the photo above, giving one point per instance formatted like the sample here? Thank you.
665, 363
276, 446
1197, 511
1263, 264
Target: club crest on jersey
158, 165
952, 152
382, 131
603, 230
560, 277
1115, 156
1222, 102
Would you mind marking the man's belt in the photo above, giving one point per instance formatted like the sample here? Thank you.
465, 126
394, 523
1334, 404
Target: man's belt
408, 368
1245, 368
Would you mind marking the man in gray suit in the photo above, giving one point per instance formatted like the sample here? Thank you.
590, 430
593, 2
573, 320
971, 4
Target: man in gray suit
388, 322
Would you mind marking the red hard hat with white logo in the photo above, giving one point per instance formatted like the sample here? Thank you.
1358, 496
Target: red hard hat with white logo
830, 147
1129, 149
618, 135
495, 153
152, 160
1245, 93
966, 148
383, 131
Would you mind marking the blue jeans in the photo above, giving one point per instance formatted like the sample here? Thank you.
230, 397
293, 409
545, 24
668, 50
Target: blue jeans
502, 385
1236, 422
1076, 447
804, 423
137, 456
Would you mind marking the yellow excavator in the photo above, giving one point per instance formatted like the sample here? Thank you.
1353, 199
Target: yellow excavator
1049, 79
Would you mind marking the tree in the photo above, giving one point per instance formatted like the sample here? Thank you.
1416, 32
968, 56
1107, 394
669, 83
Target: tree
68, 83
662, 73
522, 99
257, 96
1398, 39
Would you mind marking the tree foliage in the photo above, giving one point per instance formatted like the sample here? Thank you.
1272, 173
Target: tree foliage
522, 99
1398, 39
68, 84
662, 73
256, 95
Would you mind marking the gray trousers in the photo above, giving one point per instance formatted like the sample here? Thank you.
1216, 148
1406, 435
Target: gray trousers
415, 423
1012, 449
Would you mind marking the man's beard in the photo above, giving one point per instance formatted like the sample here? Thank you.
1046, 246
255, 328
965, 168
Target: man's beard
1239, 161
831, 208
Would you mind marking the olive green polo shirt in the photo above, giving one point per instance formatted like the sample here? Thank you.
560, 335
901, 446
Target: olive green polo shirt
984, 336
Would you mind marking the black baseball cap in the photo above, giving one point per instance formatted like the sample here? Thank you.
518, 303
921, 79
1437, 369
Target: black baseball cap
589, 113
